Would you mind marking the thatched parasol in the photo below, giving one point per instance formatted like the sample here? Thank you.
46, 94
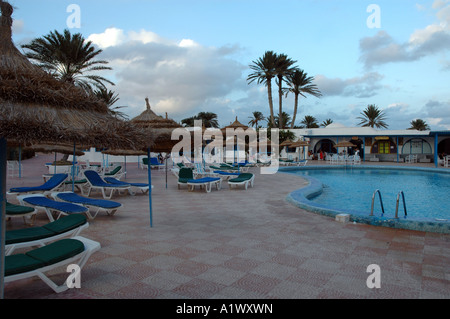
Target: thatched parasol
157, 128
36, 107
299, 143
286, 143
235, 125
56, 148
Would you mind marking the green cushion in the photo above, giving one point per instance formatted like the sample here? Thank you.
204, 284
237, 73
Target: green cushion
114, 171
66, 223
241, 178
57, 251
185, 173
26, 234
16, 264
12, 209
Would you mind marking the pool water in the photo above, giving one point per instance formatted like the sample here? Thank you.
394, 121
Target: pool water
427, 194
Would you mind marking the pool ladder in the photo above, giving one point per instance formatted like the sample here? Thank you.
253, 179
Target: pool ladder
381, 202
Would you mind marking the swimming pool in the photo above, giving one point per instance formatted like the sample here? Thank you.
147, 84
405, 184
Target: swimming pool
349, 189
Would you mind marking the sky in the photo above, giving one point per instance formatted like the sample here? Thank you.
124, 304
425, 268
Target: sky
190, 56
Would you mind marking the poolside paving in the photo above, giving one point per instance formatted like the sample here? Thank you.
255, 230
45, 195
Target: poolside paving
239, 244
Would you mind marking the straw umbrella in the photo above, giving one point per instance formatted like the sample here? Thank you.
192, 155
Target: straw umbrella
35, 107
62, 148
124, 153
300, 143
160, 129
235, 125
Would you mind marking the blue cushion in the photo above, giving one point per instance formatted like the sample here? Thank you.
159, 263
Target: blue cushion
47, 186
75, 198
204, 180
64, 207
96, 180
113, 180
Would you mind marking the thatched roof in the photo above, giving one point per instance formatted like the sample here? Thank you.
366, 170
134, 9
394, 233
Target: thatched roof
236, 124
55, 148
157, 127
35, 107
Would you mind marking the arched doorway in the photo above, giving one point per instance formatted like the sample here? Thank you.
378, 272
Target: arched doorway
326, 145
444, 146
384, 146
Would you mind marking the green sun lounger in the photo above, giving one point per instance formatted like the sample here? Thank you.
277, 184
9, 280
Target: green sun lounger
45, 259
71, 225
13, 210
243, 179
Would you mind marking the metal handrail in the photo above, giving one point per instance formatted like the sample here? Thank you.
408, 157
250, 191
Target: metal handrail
373, 200
404, 204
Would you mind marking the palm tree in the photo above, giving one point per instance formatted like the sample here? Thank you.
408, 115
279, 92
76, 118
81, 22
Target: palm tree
309, 121
208, 119
283, 69
68, 57
326, 122
264, 72
372, 116
189, 121
257, 117
300, 83
419, 125
284, 122
109, 97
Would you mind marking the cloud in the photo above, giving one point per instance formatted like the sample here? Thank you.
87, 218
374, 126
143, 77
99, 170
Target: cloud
360, 87
179, 77
382, 48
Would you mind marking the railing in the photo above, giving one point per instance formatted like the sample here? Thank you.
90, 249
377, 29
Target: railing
404, 205
381, 202
373, 200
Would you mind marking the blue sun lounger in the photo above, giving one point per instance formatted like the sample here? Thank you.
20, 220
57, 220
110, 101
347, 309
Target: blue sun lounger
55, 182
96, 182
109, 206
142, 186
48, 205
67, 226
42, 260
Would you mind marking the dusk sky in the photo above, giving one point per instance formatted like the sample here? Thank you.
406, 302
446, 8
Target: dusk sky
189, 56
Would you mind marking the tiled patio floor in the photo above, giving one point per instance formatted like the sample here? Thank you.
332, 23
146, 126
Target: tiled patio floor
240, 244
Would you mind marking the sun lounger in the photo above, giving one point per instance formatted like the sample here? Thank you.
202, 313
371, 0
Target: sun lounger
154, 163
96, 182
39, 201
226, 175
117, 173
42, 260
299, 163
184, 175
53, 184
66, 226
26, 212
205, 182
109, 206
142, 186
243, 179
